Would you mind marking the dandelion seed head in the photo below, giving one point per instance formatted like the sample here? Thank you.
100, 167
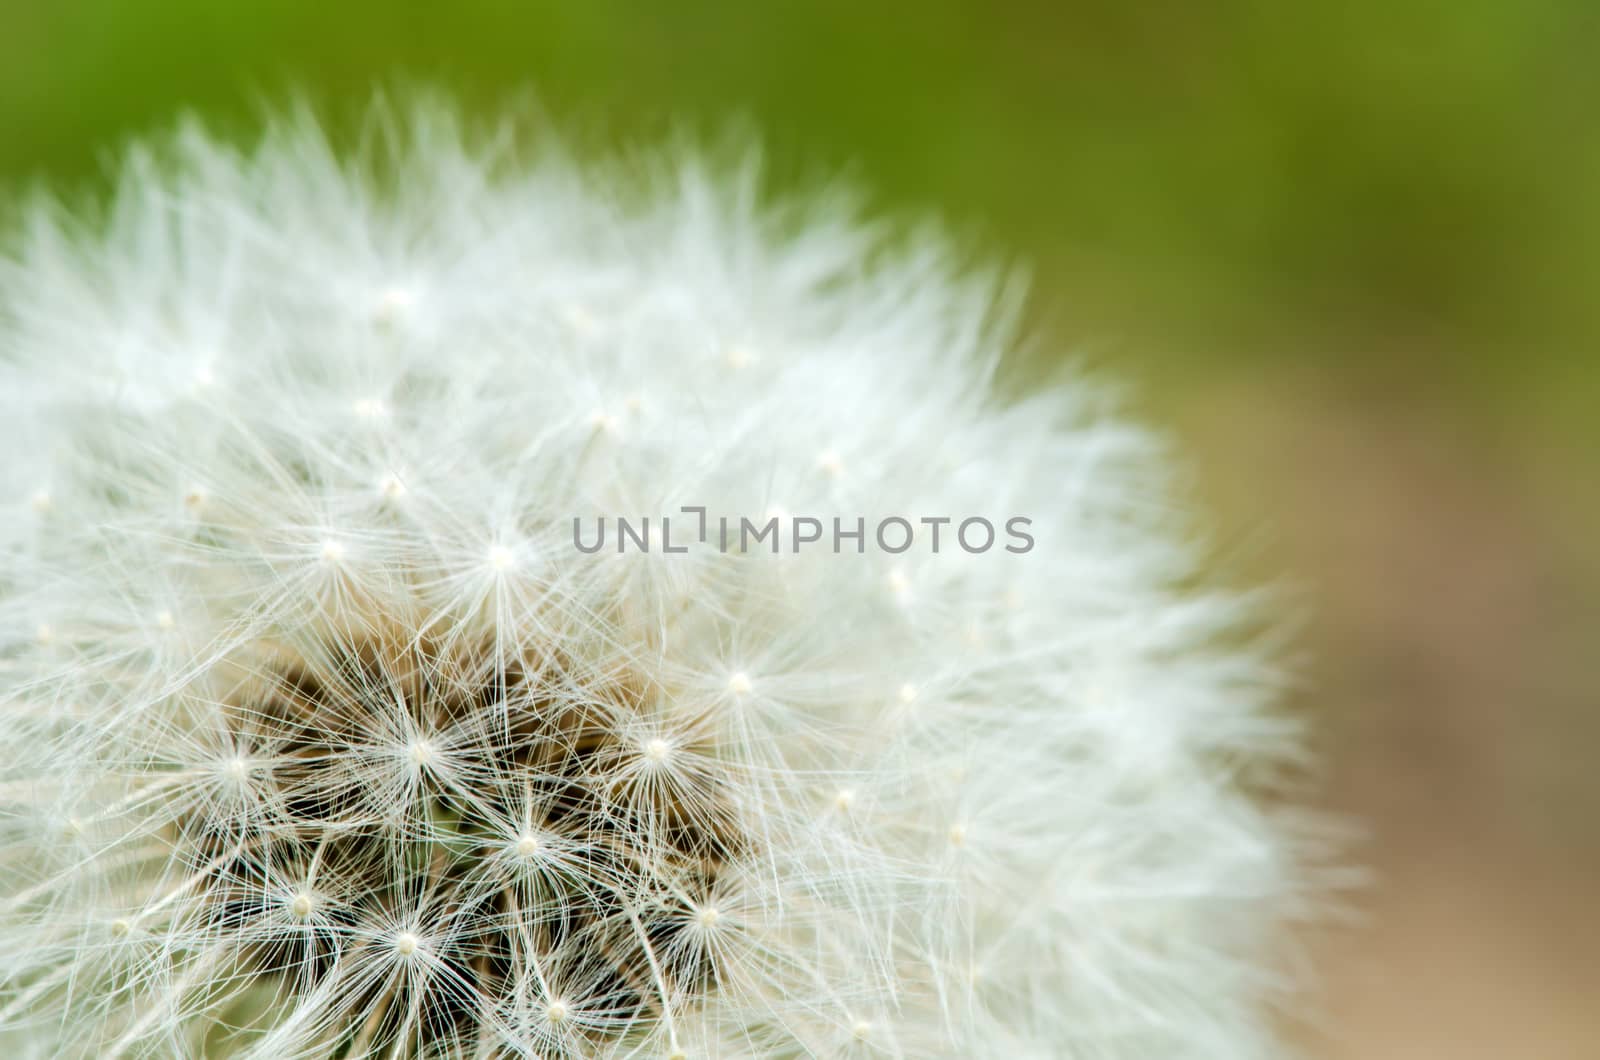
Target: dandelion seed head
391, 794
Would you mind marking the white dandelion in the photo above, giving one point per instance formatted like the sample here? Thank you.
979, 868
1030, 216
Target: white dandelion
324, 740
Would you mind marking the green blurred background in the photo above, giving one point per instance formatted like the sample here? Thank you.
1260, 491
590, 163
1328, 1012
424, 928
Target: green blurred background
1348, 253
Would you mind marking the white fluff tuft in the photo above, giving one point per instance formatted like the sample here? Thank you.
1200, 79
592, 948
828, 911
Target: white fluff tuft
323, 739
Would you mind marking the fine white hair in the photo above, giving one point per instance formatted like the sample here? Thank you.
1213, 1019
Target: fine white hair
324, 738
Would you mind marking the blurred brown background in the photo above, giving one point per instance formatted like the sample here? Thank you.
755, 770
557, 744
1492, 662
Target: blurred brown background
1348, 253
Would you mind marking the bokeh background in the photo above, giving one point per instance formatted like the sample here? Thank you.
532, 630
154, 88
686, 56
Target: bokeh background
1346, 253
